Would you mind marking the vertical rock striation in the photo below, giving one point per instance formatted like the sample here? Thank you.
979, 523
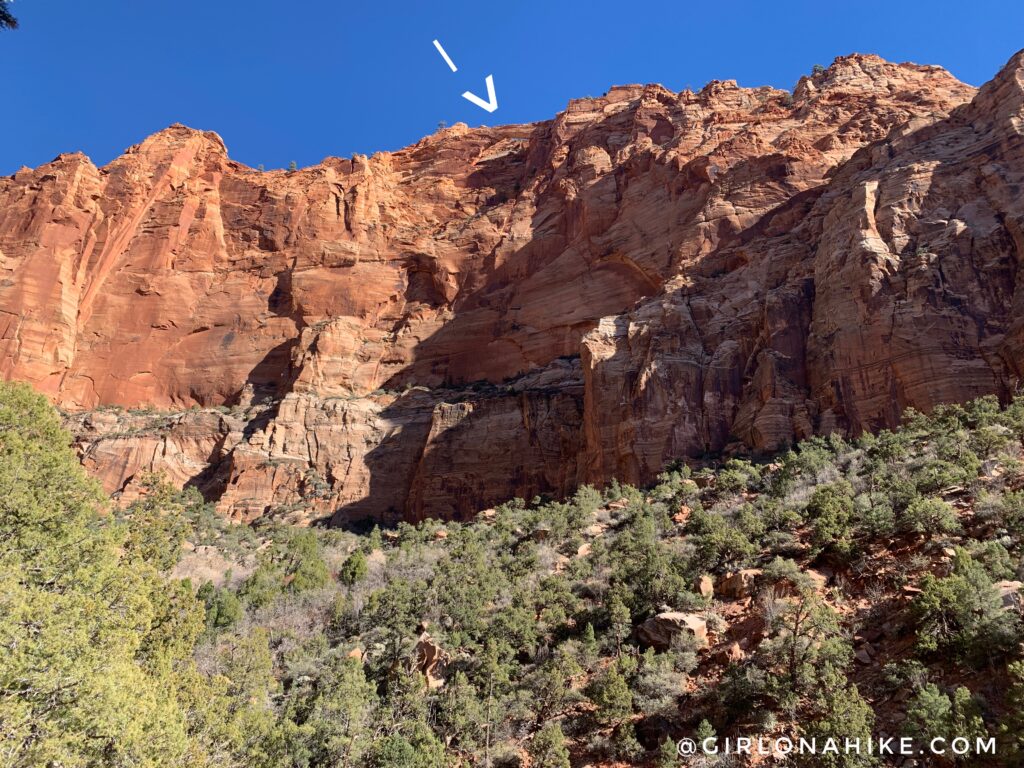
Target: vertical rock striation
508, 311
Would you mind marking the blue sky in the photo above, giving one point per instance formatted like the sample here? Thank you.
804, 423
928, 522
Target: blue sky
305, 79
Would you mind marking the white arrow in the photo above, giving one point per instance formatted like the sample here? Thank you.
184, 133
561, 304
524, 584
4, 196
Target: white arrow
492, 100
445, 56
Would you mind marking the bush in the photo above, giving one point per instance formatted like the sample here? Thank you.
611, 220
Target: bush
305, 567
838, 712
223, 608
547, 749
929, 515
610, 692
354, 569
932, 714
719, 544
964, 613
263, 585
97, 644
1012, 731
830, 511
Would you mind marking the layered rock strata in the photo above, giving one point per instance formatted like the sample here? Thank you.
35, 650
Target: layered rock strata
501, 312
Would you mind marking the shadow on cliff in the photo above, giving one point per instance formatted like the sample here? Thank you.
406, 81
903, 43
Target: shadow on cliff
443, 449
451, 452
442, 462
265, 386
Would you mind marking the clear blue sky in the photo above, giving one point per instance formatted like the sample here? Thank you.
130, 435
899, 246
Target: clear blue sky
305, 79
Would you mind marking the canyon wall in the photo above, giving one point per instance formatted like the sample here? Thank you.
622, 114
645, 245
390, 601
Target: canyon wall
509, 311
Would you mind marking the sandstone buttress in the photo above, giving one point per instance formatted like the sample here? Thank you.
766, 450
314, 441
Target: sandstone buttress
508, 311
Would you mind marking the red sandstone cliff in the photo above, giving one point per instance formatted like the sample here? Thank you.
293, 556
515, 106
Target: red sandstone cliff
506, 311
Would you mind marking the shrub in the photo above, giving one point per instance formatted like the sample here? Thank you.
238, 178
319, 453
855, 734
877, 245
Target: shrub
305, 567
830, 511
875, 515
838, 712
96, 665
263, 585
610, 692
932, 714
1012, 731
805, 639
719, 545
223, 608
963, 613
547, 749
354, 569
939, 474
657, 684
929, 515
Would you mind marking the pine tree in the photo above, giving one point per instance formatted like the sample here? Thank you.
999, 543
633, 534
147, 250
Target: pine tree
306, 568
588, 647
668, 755
841, 714
460, 714
705, 736
621, 621
547, 749
610, 692
354, 569
1012, 730
341, 712
97, 644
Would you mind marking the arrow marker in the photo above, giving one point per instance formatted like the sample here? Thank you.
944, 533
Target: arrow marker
492, 100
445, 56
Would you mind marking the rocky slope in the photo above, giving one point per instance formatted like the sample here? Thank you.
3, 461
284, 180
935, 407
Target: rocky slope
508, 311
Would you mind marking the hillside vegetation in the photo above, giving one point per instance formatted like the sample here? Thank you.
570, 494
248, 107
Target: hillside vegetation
841, 588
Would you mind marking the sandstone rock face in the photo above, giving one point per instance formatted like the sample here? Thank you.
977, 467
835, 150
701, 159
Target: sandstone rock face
502, 312
738, 585
430, 660
895, 284
659, 630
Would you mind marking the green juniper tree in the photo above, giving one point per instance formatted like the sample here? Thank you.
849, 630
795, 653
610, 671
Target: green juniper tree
96, 644
547, 749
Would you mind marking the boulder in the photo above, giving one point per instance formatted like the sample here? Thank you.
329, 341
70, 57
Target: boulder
431, 660
732, 653
738, 585
705, 586
1009, 593
659, 630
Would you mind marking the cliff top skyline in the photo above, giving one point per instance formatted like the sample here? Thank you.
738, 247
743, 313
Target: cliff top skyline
318, 79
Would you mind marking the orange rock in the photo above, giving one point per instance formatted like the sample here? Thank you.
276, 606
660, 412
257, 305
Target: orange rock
738, 585
730, 654
512, 311
431, 661
658, 631
706, 586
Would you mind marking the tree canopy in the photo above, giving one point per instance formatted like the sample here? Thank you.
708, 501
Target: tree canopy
7, 20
